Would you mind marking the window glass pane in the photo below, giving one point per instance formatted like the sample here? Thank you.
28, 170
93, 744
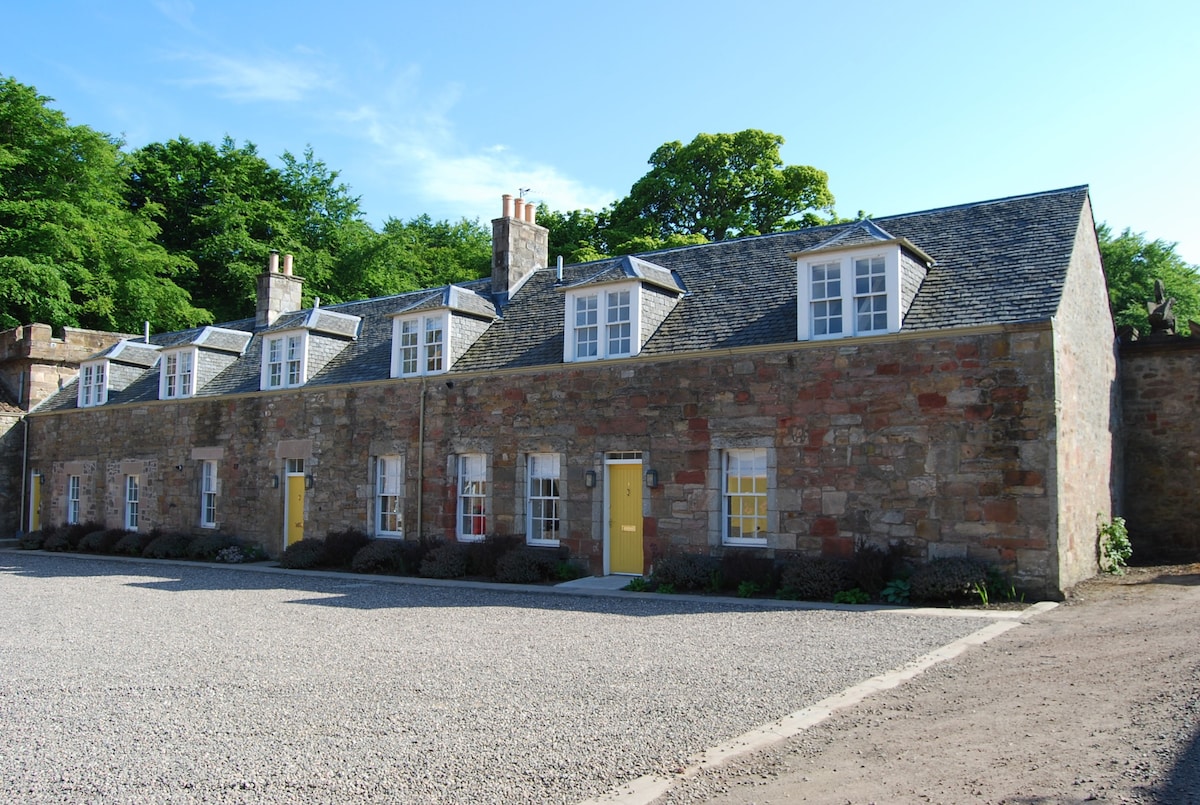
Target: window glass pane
543, 504
745, 491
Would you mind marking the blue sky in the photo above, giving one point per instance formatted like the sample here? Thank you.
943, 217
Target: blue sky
441, 108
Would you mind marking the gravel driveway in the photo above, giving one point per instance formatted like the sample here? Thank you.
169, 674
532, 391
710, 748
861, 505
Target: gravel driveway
126, 681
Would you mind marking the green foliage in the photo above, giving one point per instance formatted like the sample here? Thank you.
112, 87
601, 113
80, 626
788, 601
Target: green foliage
446, 561
483, 556
306, 554
33, 540
72, 252
237, 554
342, 546
1115, 548
872, 565
1132, 264
896, 591
740, 566
525, 566
168, 546
637, 585
720, 186
948, 579
102, 541
134, 543
748, 589
852, 596
205, 547
684, 572
381, 556
666, 589
812, 578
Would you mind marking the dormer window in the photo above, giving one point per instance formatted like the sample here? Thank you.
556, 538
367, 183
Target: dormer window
601, 322
858, 282
284, 360
176, 375
419, 344
93, 384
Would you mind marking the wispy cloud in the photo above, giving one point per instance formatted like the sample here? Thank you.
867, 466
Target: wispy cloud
414, 140
266, 78
178, 11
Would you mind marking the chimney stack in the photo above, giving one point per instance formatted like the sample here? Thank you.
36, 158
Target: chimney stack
277, 293
519, 246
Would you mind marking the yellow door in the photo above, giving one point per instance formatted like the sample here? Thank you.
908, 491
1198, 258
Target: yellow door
295, 510
625, 518
35, 502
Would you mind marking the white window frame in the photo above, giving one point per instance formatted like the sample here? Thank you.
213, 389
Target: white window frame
73, 486
389, 497
421, 344
867, 294
472, 504
598, 326
734, 496
210, 489
284, 360
543, 499
93, 384
848, 293
132, 502
177, 374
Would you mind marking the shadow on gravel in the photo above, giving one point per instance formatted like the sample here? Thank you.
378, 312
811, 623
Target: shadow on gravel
1183, 783
1187, 580
353, 591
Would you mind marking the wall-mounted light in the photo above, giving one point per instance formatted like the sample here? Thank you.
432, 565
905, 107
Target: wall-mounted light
652, 478
589, 479
275, 482
308, 481
179, 467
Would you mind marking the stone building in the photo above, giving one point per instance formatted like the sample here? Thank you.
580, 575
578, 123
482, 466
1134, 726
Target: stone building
946, 379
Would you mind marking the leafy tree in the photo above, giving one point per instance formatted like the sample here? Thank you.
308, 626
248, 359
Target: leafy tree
576, 235
410, 255
1132, 264
719, 186
71, 252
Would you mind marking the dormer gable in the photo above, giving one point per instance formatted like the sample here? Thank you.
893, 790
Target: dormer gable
200, 355
113, 369
861, 281
435, 328
613, 311
300, 344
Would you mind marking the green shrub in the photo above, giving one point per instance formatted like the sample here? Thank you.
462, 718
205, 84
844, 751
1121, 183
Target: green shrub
205, 547
446, 561
568, 570
740, 567
134, 543
637, 585
524, 566
854, 596
101, 541
1115, 548
872, 566
686, 571
415, 551
341, 546
168, 546
75, 532
895, 591
55, 539
813, 578
948, 579
484, 556
380, 556
306, 554
748, 589
33, 540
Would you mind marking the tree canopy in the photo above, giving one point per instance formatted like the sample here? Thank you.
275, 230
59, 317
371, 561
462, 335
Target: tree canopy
71, 251
1132, 264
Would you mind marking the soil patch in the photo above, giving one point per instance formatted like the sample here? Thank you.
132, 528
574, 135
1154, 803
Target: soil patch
1096, 700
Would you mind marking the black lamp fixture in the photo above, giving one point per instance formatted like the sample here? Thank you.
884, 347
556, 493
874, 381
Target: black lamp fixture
652, 478
589, 479
308, 481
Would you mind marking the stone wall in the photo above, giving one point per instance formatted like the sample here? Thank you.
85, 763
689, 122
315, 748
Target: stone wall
943, 442
1160, 385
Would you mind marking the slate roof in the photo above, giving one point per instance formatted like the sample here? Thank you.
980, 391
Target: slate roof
995, 262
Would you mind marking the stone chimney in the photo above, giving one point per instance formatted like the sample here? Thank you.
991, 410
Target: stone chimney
277, 292
519, 246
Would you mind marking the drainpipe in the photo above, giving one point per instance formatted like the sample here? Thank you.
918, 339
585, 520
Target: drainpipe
24, 475
420, 460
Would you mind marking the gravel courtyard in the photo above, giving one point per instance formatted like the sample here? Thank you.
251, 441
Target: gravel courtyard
124, 681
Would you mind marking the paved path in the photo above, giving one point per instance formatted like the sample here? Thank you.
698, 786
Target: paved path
130, 681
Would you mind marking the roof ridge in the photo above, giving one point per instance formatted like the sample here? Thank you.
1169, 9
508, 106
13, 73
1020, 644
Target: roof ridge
984, 203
